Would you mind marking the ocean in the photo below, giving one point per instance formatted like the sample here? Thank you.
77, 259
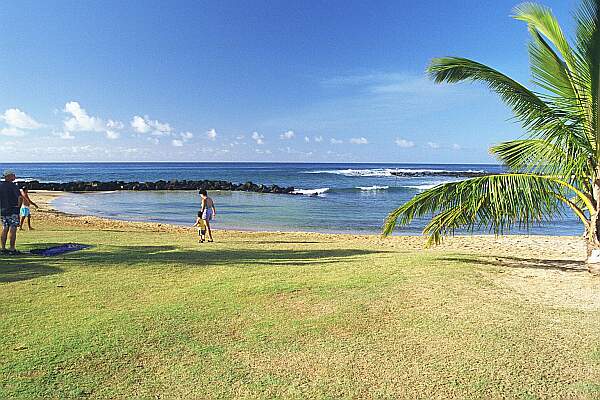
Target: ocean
332, 197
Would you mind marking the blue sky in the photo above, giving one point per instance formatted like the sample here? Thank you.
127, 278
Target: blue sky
253, 80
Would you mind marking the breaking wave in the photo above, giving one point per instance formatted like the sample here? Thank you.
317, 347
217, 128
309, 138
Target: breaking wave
374, 187
311, 192
380, 172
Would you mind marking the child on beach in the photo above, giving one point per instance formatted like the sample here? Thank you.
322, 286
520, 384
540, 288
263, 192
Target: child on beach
201, 227
26, 208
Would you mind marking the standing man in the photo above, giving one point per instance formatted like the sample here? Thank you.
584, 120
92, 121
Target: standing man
10, 203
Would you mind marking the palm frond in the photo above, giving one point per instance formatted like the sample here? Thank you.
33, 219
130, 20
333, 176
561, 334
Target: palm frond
543, 20
527, 107
548, 69
494, 202
588, 53
540, 156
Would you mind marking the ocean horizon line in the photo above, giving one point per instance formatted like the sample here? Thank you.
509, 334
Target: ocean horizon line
244, 162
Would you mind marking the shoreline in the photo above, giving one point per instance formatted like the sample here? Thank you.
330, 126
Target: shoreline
533, 246
242, 162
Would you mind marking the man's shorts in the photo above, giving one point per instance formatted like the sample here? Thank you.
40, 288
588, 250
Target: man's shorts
11, 221
25, 212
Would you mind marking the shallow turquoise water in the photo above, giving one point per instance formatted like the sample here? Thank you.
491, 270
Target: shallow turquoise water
235, 210
346, 197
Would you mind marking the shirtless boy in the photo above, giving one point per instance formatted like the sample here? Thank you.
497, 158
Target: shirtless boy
26, 208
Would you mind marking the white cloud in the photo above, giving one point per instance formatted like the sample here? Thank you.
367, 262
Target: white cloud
66, 135
177, 142
385, 83
364, 79
239, 137
290, 150
146, 125
360, 140
12, 131
139, 124
112, 135
212, 134
287, 135
306, 139
80, 121
336, 141
160, 126
318, 139
129, 150
19, 119
186, 135
404, 143
456, 146
7, 148
407, 85
79, 149
62, 151
259, 151
433, 145
258, 138
87, 149
153, 140
114, 125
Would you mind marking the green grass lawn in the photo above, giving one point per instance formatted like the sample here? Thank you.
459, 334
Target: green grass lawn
155, 315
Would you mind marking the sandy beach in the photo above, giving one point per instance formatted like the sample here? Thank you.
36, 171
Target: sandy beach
548, 269
560, 248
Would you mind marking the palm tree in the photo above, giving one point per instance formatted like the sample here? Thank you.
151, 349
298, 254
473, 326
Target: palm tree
555, 167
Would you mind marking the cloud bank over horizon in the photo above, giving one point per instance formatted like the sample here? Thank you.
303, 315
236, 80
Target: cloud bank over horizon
99, 138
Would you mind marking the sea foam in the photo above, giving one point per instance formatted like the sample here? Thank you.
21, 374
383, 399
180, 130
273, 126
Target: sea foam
311, 192
381, 172
374, 187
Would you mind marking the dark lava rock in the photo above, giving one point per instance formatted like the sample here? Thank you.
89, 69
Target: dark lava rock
97, 186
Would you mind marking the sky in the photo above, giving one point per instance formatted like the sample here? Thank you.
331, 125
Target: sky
309, 81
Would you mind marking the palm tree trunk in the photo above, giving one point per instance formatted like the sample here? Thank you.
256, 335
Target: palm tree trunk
593, 234
593, 259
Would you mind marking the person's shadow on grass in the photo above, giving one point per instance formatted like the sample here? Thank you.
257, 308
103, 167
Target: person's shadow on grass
161, 255
29, 266
24, 267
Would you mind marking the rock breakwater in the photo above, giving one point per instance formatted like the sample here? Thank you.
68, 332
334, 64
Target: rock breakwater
96, 186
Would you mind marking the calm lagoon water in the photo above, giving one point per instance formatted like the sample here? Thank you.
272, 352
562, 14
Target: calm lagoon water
344, 198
